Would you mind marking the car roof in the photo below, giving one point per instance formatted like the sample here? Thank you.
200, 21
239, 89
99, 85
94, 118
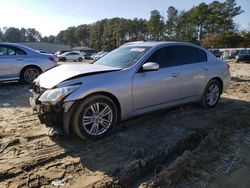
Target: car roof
23, 47
157, 43
12, 44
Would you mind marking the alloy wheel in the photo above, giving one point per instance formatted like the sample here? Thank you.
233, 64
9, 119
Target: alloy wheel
97, 118
212, 94
30, 74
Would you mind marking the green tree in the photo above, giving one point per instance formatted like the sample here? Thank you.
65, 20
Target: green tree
59, 38
32, 35
229, 11
245, 39
24, 35
45, 39
211, 41
155, 25
51, 39
1, 35
82, 34
97, 40
69, 36
12, 34
172, 22
227, 39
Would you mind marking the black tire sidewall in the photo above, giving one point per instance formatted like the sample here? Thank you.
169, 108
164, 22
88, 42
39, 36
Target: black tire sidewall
84, 106
25, 69
204, 101
80, 59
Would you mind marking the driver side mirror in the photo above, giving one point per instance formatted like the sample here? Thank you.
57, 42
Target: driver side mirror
150, 66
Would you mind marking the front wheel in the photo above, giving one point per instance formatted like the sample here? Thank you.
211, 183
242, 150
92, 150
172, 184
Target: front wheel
94, 117
211, 94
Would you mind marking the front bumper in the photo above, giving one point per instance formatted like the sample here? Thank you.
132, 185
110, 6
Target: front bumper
57, 115
48, 114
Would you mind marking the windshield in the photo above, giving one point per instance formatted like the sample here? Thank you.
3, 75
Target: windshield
123, 57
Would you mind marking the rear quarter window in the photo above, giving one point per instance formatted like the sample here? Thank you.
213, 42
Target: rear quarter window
189, 55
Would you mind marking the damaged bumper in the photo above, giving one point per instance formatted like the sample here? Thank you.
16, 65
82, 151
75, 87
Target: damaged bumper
57, 115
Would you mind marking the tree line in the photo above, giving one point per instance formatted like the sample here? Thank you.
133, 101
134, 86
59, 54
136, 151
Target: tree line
13, 34
209, 25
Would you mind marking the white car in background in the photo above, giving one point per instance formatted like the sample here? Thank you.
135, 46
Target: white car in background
18, 62
71, 56
99, 55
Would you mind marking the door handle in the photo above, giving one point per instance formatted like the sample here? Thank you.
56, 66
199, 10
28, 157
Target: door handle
174, 74
205, 68
19, 59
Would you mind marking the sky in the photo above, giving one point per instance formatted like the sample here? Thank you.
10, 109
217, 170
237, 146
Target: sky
51, 16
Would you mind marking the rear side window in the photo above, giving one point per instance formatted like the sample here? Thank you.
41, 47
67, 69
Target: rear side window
11, 51
19, 51
189, 55
165, 57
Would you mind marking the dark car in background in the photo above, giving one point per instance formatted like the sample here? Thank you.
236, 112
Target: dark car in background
216, 52
61, 52
242, 58
89, 55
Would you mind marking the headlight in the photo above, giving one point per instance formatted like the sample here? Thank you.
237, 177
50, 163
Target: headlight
54, 95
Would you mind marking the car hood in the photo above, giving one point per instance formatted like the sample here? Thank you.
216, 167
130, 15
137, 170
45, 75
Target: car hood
61, 73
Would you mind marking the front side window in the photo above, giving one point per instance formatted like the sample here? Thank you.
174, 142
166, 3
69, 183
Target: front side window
189, 55
3, 51
165, 57
123, 57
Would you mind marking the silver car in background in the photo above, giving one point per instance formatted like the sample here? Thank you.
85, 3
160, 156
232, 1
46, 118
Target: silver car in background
134, 79
18, 62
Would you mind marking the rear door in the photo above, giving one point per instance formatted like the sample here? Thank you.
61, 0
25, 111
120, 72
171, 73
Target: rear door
194, 71
11, 61
159, 87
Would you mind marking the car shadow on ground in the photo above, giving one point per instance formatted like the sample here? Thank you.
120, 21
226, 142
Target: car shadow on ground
237, 79
149, 133
14, 94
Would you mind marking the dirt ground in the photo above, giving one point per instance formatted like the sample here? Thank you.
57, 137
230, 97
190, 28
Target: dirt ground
183, 147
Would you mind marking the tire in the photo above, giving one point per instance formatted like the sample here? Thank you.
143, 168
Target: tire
80, 59
64, 59
30, 73
94, 128
213, 89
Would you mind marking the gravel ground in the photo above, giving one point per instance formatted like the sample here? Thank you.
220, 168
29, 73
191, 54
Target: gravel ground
141, 152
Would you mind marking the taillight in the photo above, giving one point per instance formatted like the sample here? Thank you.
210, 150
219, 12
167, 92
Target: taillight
52, 59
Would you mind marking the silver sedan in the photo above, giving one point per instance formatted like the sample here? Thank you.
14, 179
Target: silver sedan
134, 79
18, 62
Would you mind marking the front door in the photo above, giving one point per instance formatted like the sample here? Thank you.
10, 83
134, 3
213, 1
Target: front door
153, 88
10, 62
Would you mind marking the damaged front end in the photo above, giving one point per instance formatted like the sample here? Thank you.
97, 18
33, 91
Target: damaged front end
49, 106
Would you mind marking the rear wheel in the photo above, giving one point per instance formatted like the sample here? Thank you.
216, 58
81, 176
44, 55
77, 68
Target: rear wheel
94, 117
29, 74
80, 59
64, 59
211, 95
